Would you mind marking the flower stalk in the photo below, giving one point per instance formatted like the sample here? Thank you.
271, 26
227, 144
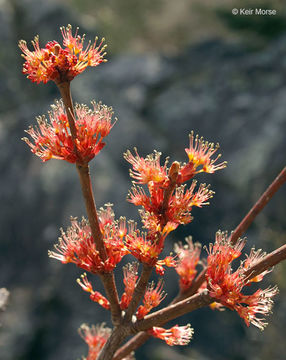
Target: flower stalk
86, 187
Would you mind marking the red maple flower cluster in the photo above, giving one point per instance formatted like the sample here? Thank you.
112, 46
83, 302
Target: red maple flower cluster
61, 64
95, 337
77, 245
169, 202
146, 250
226, 285
188, 259
53, 139
201, 153
130, 272
94, 295
153, 297
177, 335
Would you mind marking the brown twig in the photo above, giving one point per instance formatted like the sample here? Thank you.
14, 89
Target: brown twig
269, 261
173, 175
117, 336
173, 311
139, 291
147, 270
259, 205
245, 223
159, 318
133, 344
192, 303
198, 300
86, 186
65, 91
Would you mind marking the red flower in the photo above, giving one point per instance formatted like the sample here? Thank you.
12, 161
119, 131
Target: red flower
130, 272
138, 197
167, 203
77, 245
60, 64
221, 254
181, 203
252, 259
189, 257
200, 153
177, 335
226, 286
53, 140
94, 295
95, 337
169, 261
144, 249
179, 206
260, 303
148, 169
160, 215
152, 298
152, 222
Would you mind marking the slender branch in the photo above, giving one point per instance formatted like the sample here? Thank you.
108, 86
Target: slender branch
117, 336
193, 288
133, 344
173, 175
267, 262
65, 91
147, 270
159, 318
270, 260
245, 223
112, 295
173, 311
139, 291
86, 187
259, 206
199, 300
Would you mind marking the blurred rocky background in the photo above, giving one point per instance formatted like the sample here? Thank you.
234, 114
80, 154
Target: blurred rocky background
173, 67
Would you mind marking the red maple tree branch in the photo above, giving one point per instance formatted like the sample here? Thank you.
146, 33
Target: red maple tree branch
270, 260
86, 187
147, 270
245, 223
